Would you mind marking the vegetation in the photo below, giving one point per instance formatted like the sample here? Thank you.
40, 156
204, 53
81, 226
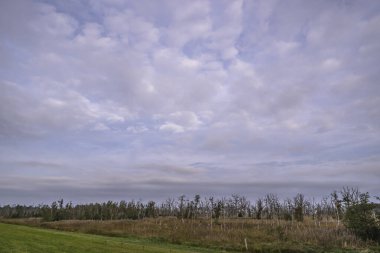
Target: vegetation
21, 239
270, 207
346, 220
363, 220
227, 235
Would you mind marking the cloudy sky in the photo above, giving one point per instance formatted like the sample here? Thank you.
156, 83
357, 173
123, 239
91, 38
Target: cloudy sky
152, 99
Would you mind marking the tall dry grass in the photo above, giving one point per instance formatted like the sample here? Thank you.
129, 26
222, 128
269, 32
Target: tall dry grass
229, 234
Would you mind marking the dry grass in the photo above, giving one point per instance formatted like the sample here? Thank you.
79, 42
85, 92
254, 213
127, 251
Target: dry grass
226, 234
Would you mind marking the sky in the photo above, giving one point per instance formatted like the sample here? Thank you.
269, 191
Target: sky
112, 100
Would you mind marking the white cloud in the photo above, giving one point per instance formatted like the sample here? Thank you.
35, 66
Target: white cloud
186, 118
131, 30
234, 83
52, 24
331, 64
284, 47
100, 127
181, 121
137, 129
171, 127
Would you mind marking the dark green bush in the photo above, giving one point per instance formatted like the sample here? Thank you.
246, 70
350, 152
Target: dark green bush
362, 219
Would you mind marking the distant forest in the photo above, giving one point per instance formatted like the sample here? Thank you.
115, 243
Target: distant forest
269, 207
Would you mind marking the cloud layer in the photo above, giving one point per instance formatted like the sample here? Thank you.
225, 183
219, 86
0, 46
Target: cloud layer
129, 99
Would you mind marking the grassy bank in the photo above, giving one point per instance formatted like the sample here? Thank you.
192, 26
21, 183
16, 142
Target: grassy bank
16, 238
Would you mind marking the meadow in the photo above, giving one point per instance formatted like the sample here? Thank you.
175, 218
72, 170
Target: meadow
22, 239
160, 234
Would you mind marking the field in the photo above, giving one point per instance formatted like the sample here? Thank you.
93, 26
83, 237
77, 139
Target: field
17, 238
176, 235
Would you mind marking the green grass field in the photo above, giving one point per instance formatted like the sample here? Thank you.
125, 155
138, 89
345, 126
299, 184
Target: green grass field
16, 238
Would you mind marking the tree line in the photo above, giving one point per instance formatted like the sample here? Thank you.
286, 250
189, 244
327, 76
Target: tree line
348, 204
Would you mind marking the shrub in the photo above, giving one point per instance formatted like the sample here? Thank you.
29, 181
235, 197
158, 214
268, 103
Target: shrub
362, 219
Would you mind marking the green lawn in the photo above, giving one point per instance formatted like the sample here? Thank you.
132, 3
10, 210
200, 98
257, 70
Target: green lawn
16, 238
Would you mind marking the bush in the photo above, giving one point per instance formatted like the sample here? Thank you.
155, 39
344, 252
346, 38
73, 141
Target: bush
362, 219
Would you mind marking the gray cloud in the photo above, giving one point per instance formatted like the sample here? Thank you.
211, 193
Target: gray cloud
216, 96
